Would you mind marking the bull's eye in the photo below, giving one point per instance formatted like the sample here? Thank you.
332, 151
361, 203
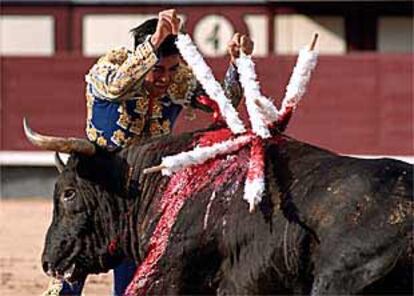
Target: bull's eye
68, 194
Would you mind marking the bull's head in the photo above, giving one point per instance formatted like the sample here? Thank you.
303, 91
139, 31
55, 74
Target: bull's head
88, 199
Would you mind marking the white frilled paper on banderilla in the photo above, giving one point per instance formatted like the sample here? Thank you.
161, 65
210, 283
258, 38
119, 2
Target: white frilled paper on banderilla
253, 192
299, 79
212, 87
254, 186
261, 110
199, 155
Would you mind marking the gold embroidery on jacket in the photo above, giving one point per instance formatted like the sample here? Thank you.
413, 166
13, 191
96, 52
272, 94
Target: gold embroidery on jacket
89, 105
115, 73
123, 120
118, 137
117, 56
156, 109
155, 128
166, 127
183, 86
145, 50
141, 105
159, 128
92, 133
101, 141
137, 126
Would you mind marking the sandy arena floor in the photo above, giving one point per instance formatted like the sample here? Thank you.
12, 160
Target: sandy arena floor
23, 224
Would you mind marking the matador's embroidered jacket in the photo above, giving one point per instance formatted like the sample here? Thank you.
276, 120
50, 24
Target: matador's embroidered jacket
117, 103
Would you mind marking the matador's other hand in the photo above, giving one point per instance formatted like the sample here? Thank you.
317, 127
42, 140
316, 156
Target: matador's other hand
246, 44
239, 43
168, 23
233, 47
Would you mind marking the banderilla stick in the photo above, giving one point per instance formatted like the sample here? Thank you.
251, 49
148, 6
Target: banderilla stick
313, 44
262, 108
154, 169
312, 47
257, 102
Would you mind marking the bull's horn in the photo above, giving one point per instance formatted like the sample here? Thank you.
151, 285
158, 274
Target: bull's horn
60, 165
58, 144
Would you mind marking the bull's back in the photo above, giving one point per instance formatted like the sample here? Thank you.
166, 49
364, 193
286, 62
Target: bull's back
328, 188
373, 195
362, 214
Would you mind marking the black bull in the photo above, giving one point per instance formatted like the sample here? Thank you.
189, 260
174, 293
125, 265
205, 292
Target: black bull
328, 224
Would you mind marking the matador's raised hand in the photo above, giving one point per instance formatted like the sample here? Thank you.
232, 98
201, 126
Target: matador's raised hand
168, 23
239, 43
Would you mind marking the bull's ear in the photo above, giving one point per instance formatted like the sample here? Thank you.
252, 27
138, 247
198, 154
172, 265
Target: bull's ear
60, 165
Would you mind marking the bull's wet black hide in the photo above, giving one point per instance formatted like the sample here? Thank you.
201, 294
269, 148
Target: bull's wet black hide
328, 224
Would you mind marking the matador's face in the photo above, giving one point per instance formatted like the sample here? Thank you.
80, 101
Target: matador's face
161, 75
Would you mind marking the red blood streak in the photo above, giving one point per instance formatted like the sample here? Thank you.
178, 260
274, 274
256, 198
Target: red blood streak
112, 246
186, 183
283, 121
182, 186
212, 105
211, 137
257, 162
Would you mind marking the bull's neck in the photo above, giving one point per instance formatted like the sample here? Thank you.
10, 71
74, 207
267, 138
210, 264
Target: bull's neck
125, 202
123, 237
139, 192
118, 201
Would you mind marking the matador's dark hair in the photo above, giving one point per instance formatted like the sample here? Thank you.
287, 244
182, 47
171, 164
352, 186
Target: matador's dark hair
141, 32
